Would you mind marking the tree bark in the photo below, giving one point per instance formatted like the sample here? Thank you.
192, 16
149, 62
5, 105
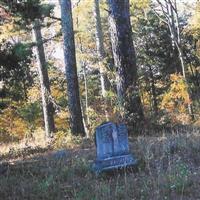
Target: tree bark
74, 105
125, 60
86, 93
100, 49
48, 110
153, 92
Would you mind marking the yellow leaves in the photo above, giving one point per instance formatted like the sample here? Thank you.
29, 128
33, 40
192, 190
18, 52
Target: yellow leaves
146, 99
176, 100
63, 115
140, 4
82, 14
61, 120
174, 77
12, 124
194, 25
179, 89
19, 128
84, 30
65, 140
138, 8
177, 97
56, 91
83, 7
33, 94
9, 30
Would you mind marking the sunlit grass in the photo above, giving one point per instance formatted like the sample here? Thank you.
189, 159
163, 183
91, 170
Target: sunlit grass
169, 167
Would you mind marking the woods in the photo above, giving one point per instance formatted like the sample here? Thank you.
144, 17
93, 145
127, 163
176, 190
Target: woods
72, 70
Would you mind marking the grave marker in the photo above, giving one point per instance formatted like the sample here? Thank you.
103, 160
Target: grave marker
112, 148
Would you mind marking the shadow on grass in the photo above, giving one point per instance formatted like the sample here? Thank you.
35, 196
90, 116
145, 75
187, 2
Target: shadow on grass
169, 168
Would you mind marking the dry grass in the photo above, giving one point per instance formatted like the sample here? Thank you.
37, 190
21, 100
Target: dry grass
38, 140
169, 168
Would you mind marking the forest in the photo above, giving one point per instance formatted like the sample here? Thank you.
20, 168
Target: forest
70, 66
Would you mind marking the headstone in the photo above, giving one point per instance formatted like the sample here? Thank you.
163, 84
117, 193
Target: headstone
112, 148
61, 154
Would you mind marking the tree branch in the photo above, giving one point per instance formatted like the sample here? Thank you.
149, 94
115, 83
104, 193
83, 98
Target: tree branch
56, 18
33, 44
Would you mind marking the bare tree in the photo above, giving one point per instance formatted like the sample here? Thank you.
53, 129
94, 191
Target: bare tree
169, 10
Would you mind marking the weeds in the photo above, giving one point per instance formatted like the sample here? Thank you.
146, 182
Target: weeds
169, 167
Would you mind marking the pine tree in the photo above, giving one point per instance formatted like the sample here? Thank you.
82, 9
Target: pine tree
47, 105
125, 60
76, 118
31, 14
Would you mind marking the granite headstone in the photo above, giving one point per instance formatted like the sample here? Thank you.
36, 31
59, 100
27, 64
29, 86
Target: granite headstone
112, 148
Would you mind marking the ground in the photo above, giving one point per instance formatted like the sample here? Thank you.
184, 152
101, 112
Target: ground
169, 168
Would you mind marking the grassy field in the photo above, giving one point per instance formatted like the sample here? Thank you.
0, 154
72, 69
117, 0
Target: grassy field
169, 168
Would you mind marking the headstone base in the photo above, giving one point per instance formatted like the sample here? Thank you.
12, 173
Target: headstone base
115, 162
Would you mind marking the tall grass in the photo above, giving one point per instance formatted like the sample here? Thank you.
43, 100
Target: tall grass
169, 168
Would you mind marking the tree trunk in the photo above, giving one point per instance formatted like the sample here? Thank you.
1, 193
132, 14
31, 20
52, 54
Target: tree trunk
125, 60
180, 51
86, 93
153, 92
100, 49
84, 123
48, 110
76, 118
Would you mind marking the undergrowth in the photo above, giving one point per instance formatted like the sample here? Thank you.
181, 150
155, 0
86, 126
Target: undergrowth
169, 168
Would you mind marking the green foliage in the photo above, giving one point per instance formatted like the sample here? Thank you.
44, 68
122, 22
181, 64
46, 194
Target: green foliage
30, 113
27, 11
156, 61
21, 50
179, 177
15, 61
